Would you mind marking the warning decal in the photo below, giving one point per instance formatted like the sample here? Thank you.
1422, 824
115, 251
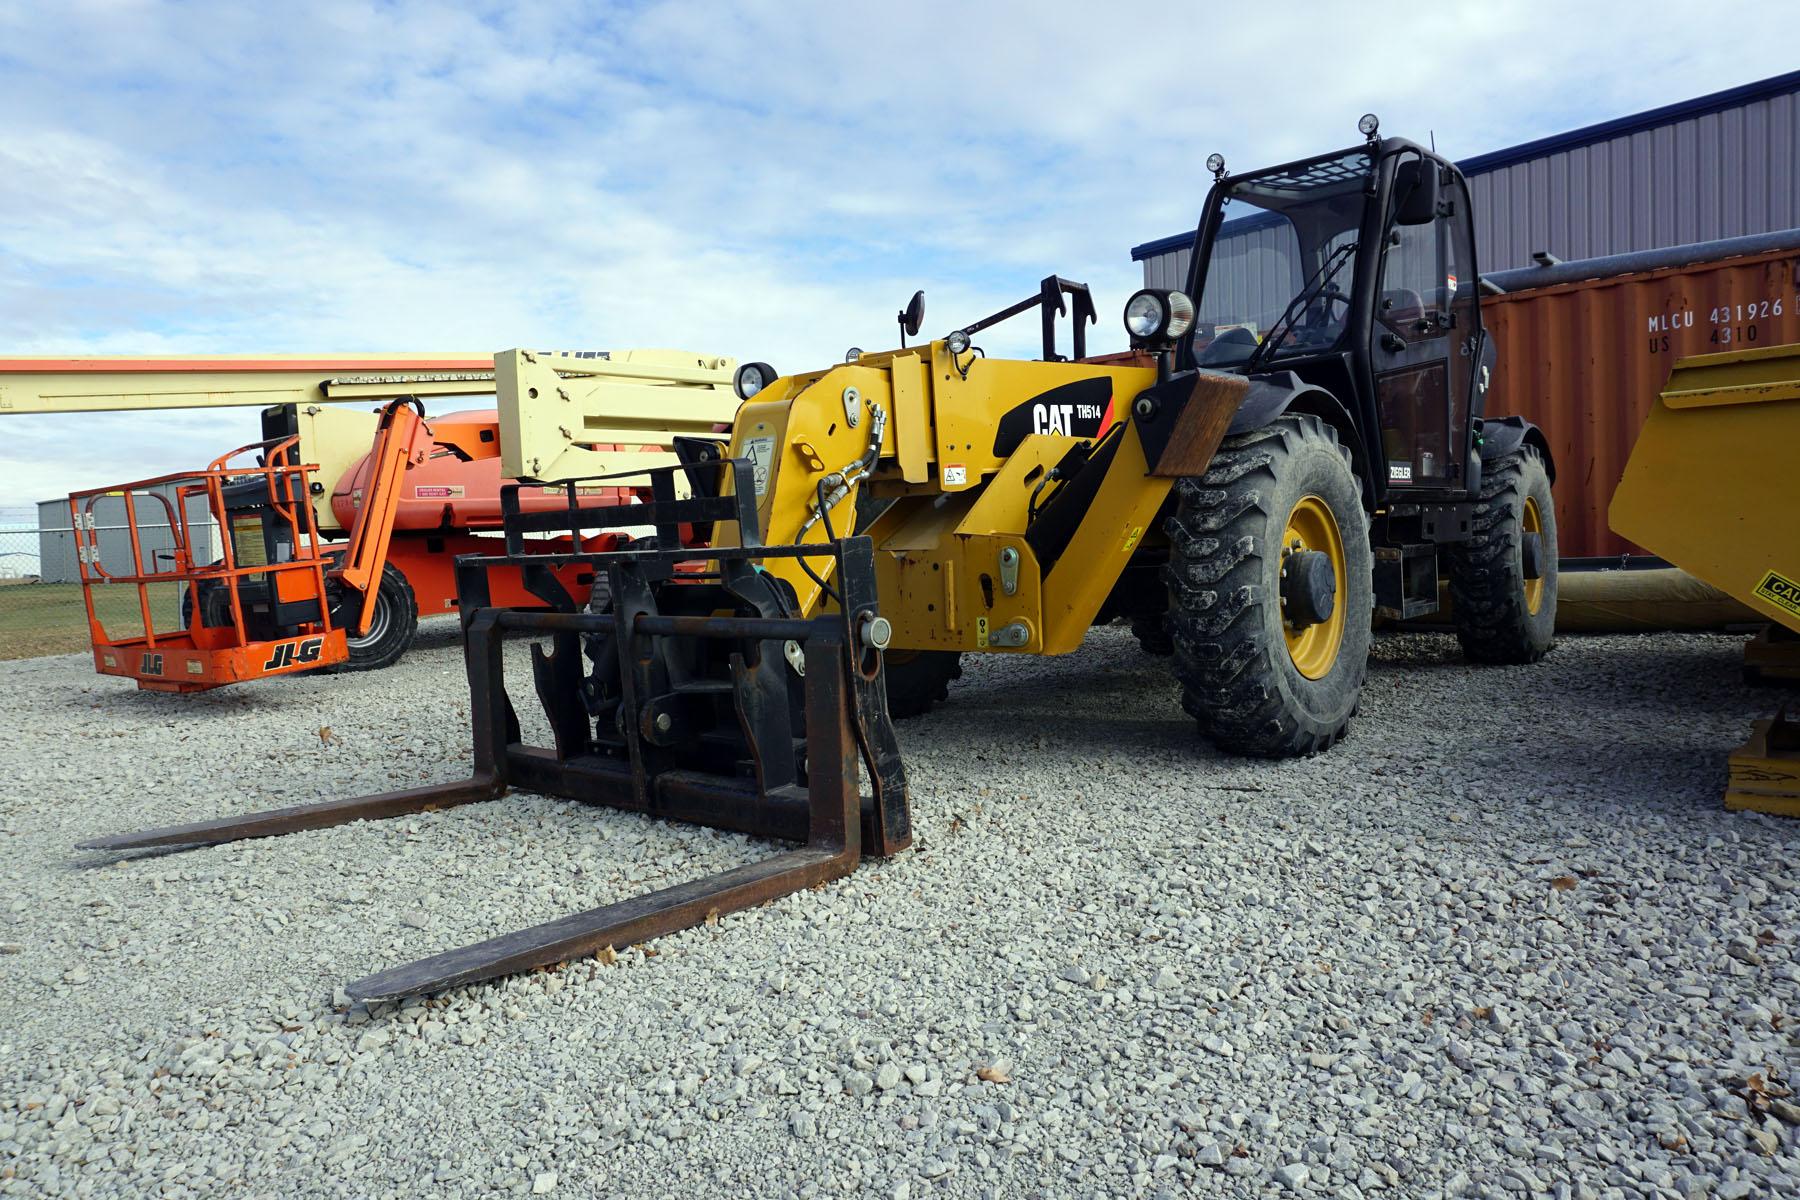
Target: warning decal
441, 491
761, 453
1780, 591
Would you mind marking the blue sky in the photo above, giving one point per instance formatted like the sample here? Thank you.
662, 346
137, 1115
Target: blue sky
766, 180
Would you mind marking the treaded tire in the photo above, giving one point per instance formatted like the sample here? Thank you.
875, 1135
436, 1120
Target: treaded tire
1487, 573
917, 679
1152, 635
391, 630
1238, 680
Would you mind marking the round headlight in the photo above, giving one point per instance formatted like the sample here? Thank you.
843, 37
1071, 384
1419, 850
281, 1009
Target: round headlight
1368, 125
1215, 162
1145, 314
1181, 314
752, 378
853, 354
956, 342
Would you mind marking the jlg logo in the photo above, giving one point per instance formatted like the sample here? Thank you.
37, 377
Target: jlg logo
152, 665
289, 654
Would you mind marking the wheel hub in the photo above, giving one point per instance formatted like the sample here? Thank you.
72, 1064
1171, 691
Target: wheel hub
1313, 571
1308, 588
1531, 555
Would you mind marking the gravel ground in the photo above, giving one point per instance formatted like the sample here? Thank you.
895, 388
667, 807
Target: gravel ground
1504, 941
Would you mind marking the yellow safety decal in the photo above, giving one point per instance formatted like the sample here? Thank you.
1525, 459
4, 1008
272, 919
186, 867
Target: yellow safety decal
1780, 591
981, 633
1131, 539
247, 542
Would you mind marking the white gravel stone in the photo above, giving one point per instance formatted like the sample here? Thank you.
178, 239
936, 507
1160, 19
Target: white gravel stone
1352, 976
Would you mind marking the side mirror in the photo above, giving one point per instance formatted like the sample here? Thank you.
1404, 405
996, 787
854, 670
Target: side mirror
1415, 192
913, 315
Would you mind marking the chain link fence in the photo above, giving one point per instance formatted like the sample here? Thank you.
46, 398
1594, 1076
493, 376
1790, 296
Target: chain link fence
41, 606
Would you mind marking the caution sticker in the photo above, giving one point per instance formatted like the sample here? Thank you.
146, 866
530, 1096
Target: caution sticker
956, 475
1131, 539
761, 453
1780, 591
438, 491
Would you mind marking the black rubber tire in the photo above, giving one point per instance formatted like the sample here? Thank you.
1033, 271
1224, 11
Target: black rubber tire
1152, 634
1237, 678
391, 630
1487, 572
917, 679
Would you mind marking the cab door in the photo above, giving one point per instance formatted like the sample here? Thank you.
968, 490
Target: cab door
1426, 330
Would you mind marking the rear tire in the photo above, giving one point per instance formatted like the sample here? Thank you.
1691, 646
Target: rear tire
392, 627
1152, 634
1500, 615
917, 679
1254, 683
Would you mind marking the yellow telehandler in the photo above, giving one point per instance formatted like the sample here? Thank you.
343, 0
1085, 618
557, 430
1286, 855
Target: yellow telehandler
1296, 443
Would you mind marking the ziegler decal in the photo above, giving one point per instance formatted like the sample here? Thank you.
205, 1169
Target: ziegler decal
289, 654
1780, 591
1076, 410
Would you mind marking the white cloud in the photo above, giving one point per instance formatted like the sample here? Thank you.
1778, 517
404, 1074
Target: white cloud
767, 180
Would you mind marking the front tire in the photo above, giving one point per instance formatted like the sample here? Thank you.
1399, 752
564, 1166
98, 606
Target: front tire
392, 627
917, 679
1255, 681
1503, 579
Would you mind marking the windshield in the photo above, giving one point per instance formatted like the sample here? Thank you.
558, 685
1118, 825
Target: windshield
1280, 262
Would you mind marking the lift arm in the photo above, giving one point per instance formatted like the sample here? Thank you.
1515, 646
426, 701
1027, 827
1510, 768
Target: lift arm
121, 383
398, 445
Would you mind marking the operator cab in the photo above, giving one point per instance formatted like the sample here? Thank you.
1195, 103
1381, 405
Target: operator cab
1355, 271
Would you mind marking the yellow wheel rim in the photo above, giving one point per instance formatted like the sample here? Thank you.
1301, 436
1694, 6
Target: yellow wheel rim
1310, 526
1532, 521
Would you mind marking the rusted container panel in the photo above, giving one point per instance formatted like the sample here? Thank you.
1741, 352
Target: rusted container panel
1585, 360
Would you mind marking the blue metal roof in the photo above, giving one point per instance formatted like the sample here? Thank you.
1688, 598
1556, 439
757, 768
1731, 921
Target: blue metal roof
1585, 136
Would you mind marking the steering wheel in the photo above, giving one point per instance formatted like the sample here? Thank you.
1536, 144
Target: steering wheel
1319, 317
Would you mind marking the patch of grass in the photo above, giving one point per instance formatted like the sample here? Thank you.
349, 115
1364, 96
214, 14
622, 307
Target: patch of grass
49, 618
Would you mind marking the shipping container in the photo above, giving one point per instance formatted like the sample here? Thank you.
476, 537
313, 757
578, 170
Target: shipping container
1585, 347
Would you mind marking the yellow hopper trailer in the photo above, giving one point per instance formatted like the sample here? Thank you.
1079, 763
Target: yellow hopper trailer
1710, 487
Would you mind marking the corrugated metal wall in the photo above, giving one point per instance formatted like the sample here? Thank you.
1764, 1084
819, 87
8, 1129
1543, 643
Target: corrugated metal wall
1690, 178
1717, 175
1586, 361
56, 544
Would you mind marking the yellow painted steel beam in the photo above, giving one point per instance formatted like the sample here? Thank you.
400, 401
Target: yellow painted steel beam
639, 400
127, 383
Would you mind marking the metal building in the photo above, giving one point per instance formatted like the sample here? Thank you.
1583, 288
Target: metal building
1719, 166
56, 541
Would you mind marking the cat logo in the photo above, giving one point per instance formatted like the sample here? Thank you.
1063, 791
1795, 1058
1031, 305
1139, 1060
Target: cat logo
290, 654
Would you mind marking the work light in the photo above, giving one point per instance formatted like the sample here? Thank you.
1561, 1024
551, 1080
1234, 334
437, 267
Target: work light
752, 378
1368, 125
1156, 315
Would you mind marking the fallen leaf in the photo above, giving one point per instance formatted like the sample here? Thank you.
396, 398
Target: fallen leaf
1429, 1017
1483, 1013
993, 1075
712, 916
325, 734
606, 956
1766, 938
1563, 883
